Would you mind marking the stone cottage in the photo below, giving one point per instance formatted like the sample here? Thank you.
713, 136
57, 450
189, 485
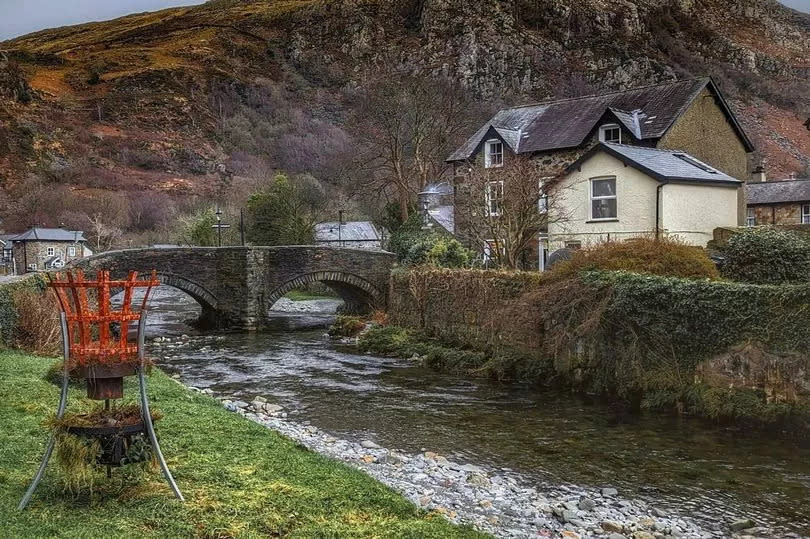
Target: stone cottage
690, 116
42, 249
778, 202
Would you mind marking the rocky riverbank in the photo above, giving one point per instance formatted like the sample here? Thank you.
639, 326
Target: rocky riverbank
495, 500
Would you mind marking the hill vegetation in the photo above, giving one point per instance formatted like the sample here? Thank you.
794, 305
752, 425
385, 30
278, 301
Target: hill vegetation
135, 124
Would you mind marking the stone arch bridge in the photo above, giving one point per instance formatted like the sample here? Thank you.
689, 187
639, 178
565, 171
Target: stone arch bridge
236, 286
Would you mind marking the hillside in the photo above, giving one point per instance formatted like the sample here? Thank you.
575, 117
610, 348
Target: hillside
163, 102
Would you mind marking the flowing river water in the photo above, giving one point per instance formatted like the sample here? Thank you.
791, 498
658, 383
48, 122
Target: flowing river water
682, 466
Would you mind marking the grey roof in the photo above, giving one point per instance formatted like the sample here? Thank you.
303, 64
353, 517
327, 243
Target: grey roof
50, 234
348, 231
445, 217
777, 192
438, 188
663, 165
647, 112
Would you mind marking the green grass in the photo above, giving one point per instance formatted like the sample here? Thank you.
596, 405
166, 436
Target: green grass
239, 479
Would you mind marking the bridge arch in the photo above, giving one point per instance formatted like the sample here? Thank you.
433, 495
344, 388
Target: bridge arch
357, 293
199, 293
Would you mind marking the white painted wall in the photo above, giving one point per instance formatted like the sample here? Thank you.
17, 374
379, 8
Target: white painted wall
691, 212
635, 204
688, 211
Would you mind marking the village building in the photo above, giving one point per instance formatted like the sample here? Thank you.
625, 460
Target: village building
350, 234
435, 206
616, 192
43, 249
6, 266
778, 202
689, 116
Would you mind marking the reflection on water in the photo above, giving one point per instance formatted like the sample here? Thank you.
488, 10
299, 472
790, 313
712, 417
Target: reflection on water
550, 438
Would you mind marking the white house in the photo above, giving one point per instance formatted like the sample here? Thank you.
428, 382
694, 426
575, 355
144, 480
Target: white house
353, 234
615, 192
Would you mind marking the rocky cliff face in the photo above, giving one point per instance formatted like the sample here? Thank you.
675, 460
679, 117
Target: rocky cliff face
144, 101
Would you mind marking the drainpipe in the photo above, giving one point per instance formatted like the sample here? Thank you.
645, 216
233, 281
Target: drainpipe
658, 210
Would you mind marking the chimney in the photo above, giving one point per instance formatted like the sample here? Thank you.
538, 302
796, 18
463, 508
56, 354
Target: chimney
758, 175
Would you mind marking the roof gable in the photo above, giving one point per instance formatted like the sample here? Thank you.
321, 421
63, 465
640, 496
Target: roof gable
666, 166
647, 112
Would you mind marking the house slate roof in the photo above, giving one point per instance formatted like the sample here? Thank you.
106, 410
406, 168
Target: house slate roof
647, 112
667, 166
50, 234
778, 192
349, 231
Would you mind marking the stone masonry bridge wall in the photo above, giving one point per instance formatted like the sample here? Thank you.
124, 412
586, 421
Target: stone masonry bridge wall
236, 286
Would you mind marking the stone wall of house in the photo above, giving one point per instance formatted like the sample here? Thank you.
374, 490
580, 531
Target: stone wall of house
36, 252
778, 214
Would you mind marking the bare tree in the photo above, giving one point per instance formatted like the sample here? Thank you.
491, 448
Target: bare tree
505, 209
406, 126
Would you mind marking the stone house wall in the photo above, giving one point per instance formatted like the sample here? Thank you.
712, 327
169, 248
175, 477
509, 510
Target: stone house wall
778, 214
36, 252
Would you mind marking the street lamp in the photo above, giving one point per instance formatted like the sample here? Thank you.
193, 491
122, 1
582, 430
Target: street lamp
219, 226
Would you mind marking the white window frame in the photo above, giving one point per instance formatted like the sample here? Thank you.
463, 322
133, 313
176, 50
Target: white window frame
51, 251
592, 198
751, 217
488, 199
610, 127
488, 153
805, 214
72, 250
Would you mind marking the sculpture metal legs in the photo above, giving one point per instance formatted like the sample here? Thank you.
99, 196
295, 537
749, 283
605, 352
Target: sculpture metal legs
59, 413
145, 413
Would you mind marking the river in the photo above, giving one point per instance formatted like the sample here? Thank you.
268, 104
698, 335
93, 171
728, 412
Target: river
686, 467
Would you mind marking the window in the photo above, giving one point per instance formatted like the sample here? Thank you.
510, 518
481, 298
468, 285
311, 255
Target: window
493, 154
542, 201
71, 251
695, 163
50, 251
751, 217
493, 195
603, 199
610, 133
805, 214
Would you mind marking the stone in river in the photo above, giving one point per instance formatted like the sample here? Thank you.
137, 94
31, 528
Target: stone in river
568, 534
368, 444
616, 536
260, 399
643, 535
742, 524
586, 504
568, 516
609, 492
479, 480
611, 526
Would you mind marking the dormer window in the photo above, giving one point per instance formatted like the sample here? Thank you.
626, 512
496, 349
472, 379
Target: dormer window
493, 153
610, 133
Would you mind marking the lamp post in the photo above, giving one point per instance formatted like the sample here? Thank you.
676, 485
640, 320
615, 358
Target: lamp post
340, 228
219, 226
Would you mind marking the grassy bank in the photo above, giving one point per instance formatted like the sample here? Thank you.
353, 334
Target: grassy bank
239, 479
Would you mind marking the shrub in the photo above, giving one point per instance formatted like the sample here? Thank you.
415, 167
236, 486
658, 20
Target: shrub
347, 326
640, 255
415, 247
767, 255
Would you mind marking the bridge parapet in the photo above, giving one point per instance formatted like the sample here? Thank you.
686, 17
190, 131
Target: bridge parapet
236, 286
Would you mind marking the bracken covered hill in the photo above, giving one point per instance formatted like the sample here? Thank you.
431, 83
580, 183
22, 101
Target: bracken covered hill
157, 100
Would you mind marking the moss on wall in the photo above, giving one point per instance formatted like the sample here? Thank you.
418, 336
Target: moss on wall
718, 349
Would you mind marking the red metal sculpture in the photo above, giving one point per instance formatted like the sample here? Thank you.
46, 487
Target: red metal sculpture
97, 347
